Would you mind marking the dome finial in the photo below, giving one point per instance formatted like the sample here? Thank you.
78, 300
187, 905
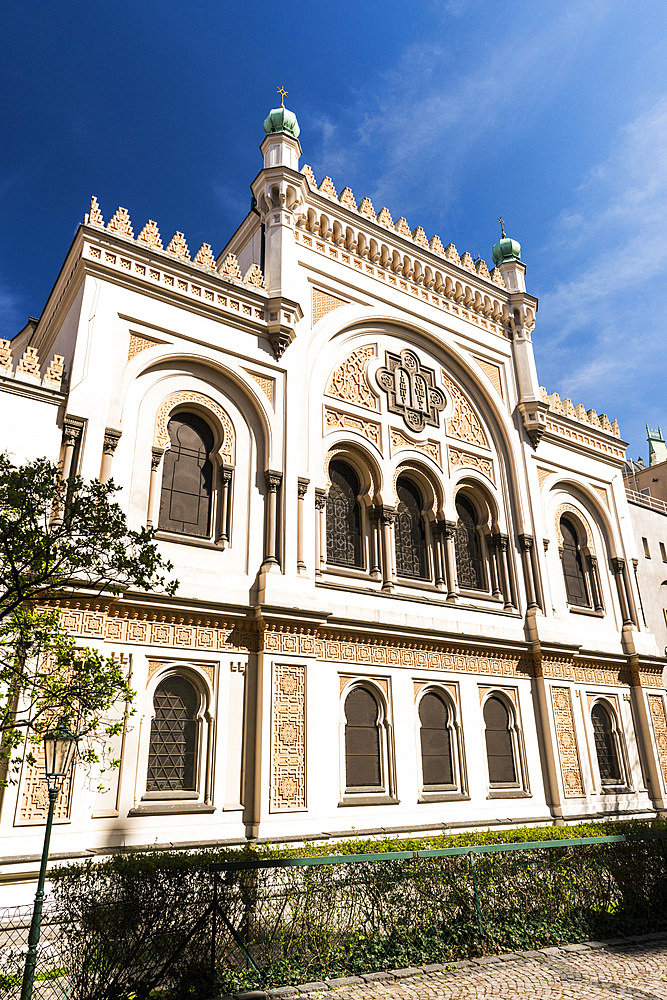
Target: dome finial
283, 94
503, 234
282, 119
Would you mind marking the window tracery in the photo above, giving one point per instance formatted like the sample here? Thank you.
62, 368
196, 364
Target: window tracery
410, 531
343, 517
172, 754
468, 547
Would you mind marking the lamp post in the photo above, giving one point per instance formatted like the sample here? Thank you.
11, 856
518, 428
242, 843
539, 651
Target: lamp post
59, 749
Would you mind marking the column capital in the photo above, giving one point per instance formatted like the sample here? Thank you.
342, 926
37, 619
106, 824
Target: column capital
618, 564
72, 430
320, 498
226, 473
111, 439
526, 542
156, 457
272, 480
302, 486
388, 515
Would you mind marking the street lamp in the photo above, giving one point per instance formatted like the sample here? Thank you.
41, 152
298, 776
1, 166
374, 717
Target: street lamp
59, 750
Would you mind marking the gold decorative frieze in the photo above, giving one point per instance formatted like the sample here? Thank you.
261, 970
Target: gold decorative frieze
464, 423
585, 440
398, 440
562, 668
161, 438
324, 303
34, 803
139, 343
492, 372
350, 382
567, 741
335, 420
479, 462
350, 649
288, 738
542, 474
657, 705
266, 384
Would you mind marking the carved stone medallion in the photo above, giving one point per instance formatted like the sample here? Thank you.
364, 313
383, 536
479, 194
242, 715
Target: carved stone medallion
411, 390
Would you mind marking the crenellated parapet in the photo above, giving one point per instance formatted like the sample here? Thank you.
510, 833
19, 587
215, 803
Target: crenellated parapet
28, 368
567, 409
401, 227
177, 248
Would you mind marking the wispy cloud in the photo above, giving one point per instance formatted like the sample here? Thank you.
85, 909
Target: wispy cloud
603, 322
439, 106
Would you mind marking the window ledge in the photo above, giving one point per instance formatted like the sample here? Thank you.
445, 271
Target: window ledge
591, 612
169, 808
616, 790
453, 796
509, 793
366, 799
200, 543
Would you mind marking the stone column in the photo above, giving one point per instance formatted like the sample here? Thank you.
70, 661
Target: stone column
526, 543
388, 516
320, 531
226, 473
450, 560
111, 439
374, 517
272, 481
72, 430
302, 488
437, 528
618, 566
594, 578
154, 488
501, 543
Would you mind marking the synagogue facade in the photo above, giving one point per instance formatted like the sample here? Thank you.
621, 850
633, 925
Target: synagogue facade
407, 594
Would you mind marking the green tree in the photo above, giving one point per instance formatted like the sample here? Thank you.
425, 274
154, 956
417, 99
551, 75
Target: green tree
58, 539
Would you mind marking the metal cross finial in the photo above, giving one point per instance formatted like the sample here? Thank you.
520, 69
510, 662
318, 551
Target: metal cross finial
283, 95
503, 234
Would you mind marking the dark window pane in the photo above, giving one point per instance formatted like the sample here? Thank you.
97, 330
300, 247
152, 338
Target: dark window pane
499, 743
605, 746
173, 743
469, 565
573, 570
435, 742
343, 517
362, 740
187, 476
410, 533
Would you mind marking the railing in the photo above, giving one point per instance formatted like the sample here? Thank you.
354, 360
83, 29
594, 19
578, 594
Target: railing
643, 500
246, 924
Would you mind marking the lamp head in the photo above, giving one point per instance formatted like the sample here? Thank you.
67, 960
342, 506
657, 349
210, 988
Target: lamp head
59, 750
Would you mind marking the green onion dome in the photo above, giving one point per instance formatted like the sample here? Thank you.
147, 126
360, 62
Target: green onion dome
506, 249
282, 120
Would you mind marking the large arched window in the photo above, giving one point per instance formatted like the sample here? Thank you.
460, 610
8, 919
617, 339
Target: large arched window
410, 532
436, 743
172, 753
500, 749
606, 745
363, 761
468, 547
187, 477
573, 567
344, 546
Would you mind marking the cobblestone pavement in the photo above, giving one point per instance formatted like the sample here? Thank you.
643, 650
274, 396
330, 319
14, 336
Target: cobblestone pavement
631, 969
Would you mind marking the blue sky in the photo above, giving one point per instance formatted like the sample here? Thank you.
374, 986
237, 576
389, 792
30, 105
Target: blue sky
451, 113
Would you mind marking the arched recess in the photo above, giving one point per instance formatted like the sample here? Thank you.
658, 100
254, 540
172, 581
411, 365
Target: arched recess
481, 546
585, 548
417, 496
439, 744
179, 742
366, 742
609, 745
335, 523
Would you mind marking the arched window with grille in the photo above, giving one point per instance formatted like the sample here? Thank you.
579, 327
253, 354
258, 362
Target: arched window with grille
500, 743
468, 547
438, 769
172, 752
574, 574
410, 531
344, 541
606, 745
363, 751
187, 477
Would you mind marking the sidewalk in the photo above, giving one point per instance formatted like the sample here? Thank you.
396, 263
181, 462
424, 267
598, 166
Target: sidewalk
632, 968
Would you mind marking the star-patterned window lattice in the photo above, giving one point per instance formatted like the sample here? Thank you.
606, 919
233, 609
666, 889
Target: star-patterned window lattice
172, 755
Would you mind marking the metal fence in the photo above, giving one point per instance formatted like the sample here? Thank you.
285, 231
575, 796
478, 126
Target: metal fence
52, 980
258, 923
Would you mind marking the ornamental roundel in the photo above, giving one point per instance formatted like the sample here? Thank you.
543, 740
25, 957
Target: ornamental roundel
411, 390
